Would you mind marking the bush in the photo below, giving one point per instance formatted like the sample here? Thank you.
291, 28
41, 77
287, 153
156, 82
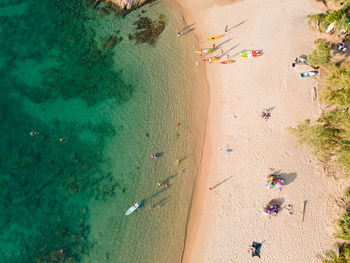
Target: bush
321, 55
338, 89
340, 17
336, 15
341, 254
347, 193
320, 20
344, 224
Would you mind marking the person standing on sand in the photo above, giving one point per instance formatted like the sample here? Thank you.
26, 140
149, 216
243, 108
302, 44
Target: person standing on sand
226, 27
178, 32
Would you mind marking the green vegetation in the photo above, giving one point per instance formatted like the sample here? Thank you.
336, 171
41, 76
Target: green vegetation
321, 55
341, 254
338, 89
329, 136
338, 17
320, 20
344, 224
347, 193
148, 31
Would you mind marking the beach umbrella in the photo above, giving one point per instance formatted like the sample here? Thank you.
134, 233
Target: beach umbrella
257, 247
273, 181
272, 208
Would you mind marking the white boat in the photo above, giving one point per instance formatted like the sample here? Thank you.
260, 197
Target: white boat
307, 74
132, 208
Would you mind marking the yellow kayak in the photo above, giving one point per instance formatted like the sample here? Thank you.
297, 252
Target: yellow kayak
214, 38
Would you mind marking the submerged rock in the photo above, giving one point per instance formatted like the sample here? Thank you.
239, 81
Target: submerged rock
148, 31
127, 4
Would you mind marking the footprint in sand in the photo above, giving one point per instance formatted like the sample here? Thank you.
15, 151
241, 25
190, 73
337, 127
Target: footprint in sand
259, 155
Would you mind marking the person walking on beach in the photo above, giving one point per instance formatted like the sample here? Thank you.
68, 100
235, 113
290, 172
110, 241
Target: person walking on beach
251, 250
222, 52
213, 45
226, 27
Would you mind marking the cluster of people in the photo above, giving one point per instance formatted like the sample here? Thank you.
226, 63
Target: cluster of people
34, 133
265, 114
342, 47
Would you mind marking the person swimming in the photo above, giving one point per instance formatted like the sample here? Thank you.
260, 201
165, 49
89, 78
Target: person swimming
32, 133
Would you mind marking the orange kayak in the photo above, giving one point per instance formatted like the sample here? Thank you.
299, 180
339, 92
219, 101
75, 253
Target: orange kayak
214, 38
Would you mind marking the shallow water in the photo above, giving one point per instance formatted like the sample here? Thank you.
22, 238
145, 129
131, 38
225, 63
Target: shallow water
114, 106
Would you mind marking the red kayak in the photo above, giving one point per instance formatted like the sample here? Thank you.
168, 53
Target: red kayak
210, 59
226, 62
250, 54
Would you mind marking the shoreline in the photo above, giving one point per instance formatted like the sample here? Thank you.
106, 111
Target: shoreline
214, 211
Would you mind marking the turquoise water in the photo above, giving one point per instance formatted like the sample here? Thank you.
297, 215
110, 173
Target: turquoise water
68, 70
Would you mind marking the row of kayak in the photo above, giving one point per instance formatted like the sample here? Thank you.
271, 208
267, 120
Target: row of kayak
210, 60
244, 54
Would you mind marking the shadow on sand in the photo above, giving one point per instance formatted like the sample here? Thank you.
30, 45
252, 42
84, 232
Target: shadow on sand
223, 181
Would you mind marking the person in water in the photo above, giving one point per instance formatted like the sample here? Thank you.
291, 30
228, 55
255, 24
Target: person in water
154, 156
32, 133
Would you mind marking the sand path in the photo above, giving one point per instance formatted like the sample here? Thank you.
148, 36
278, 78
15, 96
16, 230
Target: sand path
226, 220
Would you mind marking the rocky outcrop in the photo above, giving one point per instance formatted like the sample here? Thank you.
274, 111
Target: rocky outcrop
127, 4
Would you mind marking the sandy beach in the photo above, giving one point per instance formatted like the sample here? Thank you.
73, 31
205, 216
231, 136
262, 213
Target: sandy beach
225, 220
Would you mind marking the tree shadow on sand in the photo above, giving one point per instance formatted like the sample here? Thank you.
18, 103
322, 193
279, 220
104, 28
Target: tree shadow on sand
288, 177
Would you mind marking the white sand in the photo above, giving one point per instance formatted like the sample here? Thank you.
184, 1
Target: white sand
225, 221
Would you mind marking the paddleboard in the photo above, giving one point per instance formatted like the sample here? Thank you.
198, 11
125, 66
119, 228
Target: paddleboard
132, 208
